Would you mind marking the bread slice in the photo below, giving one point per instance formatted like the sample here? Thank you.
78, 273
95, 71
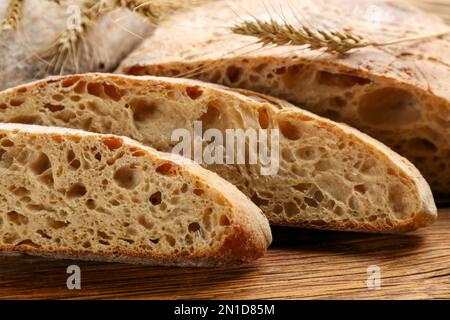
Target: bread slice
108, 41
330, 175
80, 195
398, 94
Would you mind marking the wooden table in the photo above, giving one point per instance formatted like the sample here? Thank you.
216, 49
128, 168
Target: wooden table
301, 264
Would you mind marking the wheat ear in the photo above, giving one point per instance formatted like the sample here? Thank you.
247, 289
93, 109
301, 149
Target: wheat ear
66, 46
13, 15
281, 34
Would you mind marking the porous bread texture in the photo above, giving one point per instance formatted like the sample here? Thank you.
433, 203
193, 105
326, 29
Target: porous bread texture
397, 94
330, 176
109, 40
80, 195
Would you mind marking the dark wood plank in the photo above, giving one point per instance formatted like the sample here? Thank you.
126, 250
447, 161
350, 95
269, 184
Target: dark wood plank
301, 264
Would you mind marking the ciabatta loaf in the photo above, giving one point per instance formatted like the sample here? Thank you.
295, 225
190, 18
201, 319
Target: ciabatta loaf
329, 175
398, 94
80, 195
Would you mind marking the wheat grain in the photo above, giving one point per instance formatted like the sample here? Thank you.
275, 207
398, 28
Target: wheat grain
282, 34
13, 15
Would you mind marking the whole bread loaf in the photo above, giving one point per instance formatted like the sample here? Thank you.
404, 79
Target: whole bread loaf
25, 52
73, 194
329, 176
398, 94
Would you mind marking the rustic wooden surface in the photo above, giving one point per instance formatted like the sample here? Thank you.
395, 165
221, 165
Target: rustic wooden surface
301, 264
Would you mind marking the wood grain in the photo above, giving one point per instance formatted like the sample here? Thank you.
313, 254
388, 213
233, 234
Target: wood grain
301, 264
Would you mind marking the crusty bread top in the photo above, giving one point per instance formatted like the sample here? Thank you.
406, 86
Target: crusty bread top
114, 36
423, 64
41, 92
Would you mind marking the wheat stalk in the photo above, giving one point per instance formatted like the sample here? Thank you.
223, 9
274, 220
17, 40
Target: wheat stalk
282, 34
13, 15
66, 46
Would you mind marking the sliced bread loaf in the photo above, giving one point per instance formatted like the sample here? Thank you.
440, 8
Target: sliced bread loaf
398, 94
73, 194
330, 175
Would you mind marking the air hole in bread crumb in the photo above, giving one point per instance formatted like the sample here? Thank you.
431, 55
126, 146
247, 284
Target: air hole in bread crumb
234, 74
70, 82
146, 224
35, 207
361, 188
98, 156
28, 242
16, 102
43, 234
206, 219
193, 227
211, 116
7, 143
143, 109
194, 92
58, 97
277, 209
224, 221
95, 89
184, 188
21, 191
103, 235
53, 107
154, 241
26, 119
112, 143
263, 118
128, 177
40, 164
170, 240
307, 153
113, 92
291, 209
77, 190
339, 79
259, 201
57, 224
199, 192
165, 169
155, 198
311, 202
17, 218
289, 130
389, 107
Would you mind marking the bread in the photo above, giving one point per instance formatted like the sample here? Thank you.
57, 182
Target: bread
398, 94
330, 176
22, 51
75, 194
